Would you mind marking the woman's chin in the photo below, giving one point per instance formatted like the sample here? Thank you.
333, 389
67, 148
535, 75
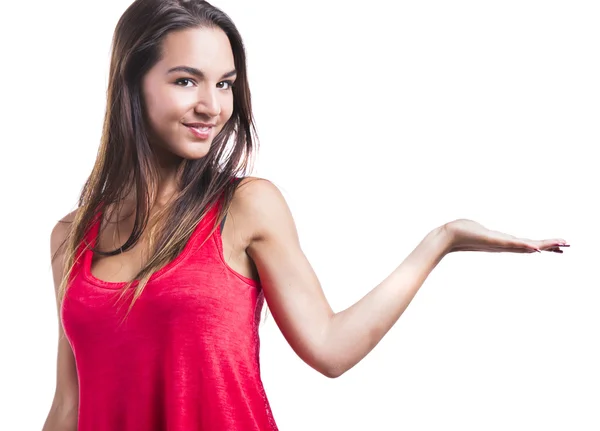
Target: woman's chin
197, 152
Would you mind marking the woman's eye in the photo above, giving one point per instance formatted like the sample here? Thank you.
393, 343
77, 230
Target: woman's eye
229, 84
183, 80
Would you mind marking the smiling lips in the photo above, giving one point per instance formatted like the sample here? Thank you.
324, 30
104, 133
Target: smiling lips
200, 130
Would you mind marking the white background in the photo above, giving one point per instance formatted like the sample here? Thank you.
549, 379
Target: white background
378, 121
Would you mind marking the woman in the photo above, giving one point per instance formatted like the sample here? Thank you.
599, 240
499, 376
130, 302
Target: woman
168, 225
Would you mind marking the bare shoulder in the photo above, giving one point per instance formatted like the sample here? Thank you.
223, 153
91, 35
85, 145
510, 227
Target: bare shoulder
263, 208
60, 231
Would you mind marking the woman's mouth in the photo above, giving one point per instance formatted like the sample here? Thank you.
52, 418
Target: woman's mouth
200, 132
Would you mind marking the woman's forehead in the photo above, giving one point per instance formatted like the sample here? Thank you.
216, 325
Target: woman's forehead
208, 49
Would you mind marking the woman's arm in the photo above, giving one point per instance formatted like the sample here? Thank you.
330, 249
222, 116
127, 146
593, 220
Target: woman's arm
63, 412
331, 343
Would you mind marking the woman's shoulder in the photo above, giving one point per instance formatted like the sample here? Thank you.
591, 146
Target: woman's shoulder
254, 192
61, 230
257, 203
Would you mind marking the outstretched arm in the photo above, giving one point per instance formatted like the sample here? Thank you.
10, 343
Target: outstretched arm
332, 343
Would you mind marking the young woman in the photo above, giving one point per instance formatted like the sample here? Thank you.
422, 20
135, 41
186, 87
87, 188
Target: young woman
162, 271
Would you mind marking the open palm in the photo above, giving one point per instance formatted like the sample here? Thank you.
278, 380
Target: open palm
468, 235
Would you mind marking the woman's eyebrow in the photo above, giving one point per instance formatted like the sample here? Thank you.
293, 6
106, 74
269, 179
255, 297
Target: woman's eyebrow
197, 72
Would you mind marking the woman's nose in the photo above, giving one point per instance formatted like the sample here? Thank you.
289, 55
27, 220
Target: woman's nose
208, 103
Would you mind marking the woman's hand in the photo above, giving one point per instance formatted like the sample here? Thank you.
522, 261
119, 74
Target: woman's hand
468, 235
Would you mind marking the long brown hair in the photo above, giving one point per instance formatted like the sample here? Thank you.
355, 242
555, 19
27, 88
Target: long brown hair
125, 161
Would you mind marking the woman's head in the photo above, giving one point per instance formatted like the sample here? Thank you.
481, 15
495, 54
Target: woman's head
173, 64
188, 93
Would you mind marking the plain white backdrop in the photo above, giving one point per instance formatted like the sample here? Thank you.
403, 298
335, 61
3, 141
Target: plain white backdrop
378, 121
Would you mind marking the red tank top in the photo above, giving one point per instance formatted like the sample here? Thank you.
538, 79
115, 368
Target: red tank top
187, 356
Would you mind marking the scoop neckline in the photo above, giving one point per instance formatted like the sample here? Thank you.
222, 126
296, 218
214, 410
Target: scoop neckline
93, 239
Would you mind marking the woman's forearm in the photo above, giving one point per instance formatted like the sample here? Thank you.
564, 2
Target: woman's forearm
354, 332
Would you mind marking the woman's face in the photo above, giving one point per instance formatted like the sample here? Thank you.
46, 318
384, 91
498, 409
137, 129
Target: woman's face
187, 108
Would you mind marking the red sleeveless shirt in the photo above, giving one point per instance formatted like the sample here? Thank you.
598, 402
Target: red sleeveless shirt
187, 356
